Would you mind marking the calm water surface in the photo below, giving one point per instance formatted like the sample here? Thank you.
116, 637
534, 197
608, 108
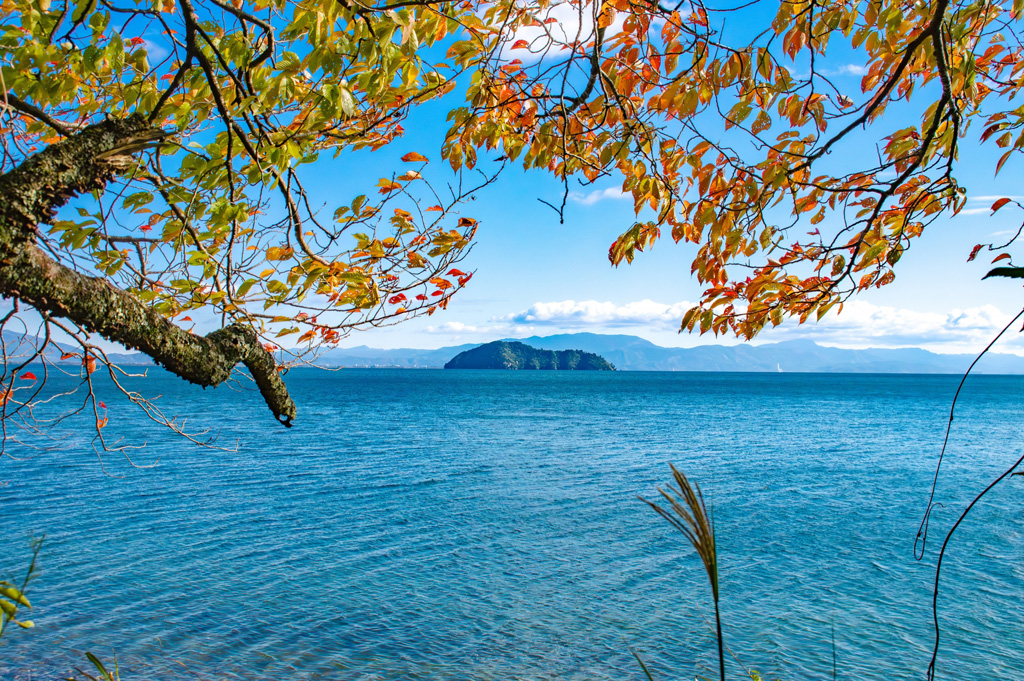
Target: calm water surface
485, 525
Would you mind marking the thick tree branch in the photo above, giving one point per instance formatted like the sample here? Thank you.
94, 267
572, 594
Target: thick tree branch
84, 162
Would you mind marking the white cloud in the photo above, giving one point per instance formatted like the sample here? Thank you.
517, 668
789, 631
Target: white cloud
593, 314
993, 198
458, 329
593, 197
987, 201
562, 24
862, 324
852, 69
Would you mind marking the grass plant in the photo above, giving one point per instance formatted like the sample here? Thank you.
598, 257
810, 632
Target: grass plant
689, 514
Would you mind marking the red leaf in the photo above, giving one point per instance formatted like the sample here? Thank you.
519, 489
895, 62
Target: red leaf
999, 204
974, 252
456, 273
520, 45
29, 376
186, 319
1001, 256
104, 406
394, 300
421, 297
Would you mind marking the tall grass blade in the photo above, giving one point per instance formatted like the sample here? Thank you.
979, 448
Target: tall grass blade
642, 665
689, 514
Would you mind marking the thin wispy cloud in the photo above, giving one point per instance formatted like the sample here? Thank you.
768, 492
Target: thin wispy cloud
458, 329
593, 197
593, 314
986, 202
852, 69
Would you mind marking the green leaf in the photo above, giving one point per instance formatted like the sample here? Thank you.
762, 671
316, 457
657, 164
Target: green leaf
244, 288
82, 8
99, 665
348, 102
15, 595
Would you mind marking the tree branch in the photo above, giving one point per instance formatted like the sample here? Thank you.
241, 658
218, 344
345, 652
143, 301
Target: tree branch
84, 162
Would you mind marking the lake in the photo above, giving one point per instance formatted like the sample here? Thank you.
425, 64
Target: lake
485, 525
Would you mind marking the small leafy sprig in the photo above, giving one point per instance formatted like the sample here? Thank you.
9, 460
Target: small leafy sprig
12, 597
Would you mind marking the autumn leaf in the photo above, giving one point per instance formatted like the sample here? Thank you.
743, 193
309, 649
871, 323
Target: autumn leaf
29, 376
999, 204
414, 157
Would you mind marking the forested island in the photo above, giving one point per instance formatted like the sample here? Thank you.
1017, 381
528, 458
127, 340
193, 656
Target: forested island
515, 355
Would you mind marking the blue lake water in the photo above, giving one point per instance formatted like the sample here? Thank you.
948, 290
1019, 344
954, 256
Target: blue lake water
485, 525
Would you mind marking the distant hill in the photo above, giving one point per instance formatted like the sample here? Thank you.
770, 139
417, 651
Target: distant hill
519, 356
630, 353
403, 358
20, 346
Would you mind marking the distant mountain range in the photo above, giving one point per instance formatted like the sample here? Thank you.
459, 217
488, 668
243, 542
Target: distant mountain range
630, 353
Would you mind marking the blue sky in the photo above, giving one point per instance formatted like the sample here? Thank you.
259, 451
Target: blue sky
534, 276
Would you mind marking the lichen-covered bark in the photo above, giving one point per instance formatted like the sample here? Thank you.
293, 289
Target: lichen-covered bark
31, 194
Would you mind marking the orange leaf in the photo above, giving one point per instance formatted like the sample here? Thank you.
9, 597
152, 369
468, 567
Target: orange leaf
999, 204
520, 45
437, 209
413, 157
1001, 256
456, 273
186, 319
69, 355
466, 222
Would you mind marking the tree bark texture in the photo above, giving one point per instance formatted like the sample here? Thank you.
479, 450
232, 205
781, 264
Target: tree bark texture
30, 196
